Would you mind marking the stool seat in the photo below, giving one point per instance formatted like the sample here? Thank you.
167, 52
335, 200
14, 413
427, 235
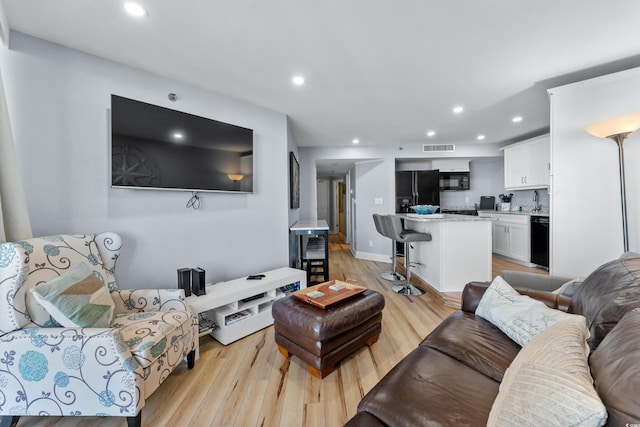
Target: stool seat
322, 337
414, 236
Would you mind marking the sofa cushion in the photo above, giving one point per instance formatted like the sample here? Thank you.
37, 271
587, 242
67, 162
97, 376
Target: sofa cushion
77, 298
606, 295
615, 366
549, 383
431, 388
475, 342
519, 316
149, 334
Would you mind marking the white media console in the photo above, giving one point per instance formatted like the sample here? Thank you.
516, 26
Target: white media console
241, 307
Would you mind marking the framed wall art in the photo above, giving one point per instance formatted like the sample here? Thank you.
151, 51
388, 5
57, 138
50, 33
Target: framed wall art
294, 182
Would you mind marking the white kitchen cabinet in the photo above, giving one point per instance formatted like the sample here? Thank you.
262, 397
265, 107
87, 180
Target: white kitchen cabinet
448, 165
512, 236
526, 164
501, 238
520, 241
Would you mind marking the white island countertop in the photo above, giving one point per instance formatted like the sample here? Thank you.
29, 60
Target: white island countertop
459, 251
443, 217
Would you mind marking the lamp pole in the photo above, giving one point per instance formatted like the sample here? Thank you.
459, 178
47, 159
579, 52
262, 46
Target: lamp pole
619, 140
618, 129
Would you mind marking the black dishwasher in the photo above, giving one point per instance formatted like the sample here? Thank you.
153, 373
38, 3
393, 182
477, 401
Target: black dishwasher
540, 240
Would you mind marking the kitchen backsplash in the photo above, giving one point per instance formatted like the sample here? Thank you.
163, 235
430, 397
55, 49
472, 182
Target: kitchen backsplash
522, 198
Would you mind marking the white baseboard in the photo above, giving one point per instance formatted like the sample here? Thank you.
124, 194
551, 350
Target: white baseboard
373, 257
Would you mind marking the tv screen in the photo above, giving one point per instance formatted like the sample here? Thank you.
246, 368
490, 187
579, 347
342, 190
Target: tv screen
153, 147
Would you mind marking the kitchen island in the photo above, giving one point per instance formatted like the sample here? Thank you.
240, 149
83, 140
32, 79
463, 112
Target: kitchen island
459, 251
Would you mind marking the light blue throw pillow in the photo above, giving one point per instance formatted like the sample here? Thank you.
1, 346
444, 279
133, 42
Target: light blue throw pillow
77, 299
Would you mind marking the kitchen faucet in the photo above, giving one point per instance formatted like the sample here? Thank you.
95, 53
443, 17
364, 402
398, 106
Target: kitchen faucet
536, 206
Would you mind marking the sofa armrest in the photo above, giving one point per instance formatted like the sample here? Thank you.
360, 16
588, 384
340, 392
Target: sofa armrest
58, 371
139, 300
473, 292
540, 282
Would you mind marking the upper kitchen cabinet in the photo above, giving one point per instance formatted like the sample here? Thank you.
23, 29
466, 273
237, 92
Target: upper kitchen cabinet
448, 165
526, 164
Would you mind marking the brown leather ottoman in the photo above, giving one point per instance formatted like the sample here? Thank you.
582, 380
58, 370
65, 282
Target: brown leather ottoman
321, 337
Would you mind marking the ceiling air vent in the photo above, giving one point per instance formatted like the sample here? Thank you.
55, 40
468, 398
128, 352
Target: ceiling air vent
438, 147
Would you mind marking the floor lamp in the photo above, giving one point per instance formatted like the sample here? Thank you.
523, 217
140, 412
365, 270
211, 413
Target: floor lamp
618, 130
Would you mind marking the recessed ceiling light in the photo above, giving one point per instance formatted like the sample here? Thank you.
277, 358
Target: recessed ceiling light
178, 135
431, 133
517, 119
356, 141
480, 137
459, 109
298, 80
135, 9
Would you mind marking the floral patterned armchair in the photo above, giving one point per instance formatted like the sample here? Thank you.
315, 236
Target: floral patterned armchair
47, 369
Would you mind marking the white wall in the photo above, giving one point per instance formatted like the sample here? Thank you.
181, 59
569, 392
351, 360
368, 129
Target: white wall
292, 147
59, 102
376, 194
586, 226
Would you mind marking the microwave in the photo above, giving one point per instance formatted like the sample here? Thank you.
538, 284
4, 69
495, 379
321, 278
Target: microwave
454, 181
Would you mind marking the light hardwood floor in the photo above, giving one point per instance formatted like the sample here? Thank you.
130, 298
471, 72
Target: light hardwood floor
249, 383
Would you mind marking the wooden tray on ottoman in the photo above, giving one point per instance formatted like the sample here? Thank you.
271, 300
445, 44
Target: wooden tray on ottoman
330, 296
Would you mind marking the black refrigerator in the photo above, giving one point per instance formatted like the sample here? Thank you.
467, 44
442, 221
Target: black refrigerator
416, 188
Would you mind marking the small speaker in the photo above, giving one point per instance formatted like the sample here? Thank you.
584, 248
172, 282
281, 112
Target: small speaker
197, 281
184, 280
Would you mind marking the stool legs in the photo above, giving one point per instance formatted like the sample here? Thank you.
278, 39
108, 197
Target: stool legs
407, 289
394, 276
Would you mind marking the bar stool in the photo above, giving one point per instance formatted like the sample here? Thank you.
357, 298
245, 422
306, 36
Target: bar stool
314, 259
381, 226
406, 236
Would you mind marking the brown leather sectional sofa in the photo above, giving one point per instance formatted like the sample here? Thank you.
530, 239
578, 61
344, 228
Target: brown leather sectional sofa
452, 378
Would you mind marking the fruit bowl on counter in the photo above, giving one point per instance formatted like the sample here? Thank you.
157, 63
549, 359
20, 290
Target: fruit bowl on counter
425, 209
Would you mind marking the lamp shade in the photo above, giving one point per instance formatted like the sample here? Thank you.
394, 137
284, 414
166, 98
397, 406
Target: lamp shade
619, 125
235, 177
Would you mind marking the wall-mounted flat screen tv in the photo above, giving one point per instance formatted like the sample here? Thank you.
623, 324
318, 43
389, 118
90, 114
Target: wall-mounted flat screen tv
153, 147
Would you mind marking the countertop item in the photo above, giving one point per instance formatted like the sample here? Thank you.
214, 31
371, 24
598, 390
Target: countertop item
425, 209
487, 203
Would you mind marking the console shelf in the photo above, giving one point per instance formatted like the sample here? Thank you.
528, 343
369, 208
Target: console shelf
254, 297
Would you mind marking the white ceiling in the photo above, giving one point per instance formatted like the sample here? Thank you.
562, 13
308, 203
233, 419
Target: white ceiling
378, 70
